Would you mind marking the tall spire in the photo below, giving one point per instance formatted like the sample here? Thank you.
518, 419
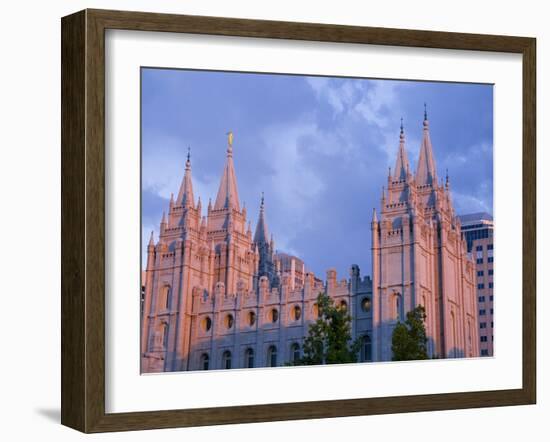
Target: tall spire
185, 195
265, 248
261, 233
228, 196
163, 223
425, 171
402, 162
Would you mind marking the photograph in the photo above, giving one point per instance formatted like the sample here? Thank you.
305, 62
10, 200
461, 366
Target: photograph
292, 220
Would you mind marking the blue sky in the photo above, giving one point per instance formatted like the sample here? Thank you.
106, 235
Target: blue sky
318, 147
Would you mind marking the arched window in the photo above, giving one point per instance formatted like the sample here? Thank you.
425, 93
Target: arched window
228, 321
226, 359
205, 361
165, 335
295, 351
251, 318
274, 315
367, 349
249, 358
397, 306
165, 296
296, 313
206, 323
315, 310
272, 356
343, 305
365, 304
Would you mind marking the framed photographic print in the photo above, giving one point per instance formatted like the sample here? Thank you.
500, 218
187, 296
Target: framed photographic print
252, 209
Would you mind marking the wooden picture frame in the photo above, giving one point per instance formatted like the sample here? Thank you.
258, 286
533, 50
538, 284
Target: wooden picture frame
83, 220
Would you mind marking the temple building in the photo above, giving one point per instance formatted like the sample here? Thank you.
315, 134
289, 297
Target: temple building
217, 297
420, 258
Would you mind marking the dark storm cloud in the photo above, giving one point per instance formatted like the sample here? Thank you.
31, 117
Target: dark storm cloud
319, 148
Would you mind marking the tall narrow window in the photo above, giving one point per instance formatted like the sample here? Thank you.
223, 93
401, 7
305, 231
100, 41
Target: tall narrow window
397, 306
470, 352
454, 349
251, 318
315, 310
272, 356
249, 358
226, 359
165, 335
297, 313
367, 349
274, 315
205, 361
295, 352
165, 295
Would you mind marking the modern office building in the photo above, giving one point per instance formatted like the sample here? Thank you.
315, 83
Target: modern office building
477, 229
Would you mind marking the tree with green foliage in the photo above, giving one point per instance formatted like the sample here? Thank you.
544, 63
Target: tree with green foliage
409, 340
329, 337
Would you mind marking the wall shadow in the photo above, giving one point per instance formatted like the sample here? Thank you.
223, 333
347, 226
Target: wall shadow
51, 414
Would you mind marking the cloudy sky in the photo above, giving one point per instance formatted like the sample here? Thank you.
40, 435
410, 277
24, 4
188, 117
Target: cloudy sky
318, 147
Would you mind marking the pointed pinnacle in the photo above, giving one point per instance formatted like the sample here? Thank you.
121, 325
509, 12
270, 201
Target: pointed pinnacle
188, 162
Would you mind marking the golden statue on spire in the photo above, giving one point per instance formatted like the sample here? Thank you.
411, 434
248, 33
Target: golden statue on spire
230, 138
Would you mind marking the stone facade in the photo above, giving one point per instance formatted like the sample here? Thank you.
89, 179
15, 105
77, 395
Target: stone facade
420, 258
217, 297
